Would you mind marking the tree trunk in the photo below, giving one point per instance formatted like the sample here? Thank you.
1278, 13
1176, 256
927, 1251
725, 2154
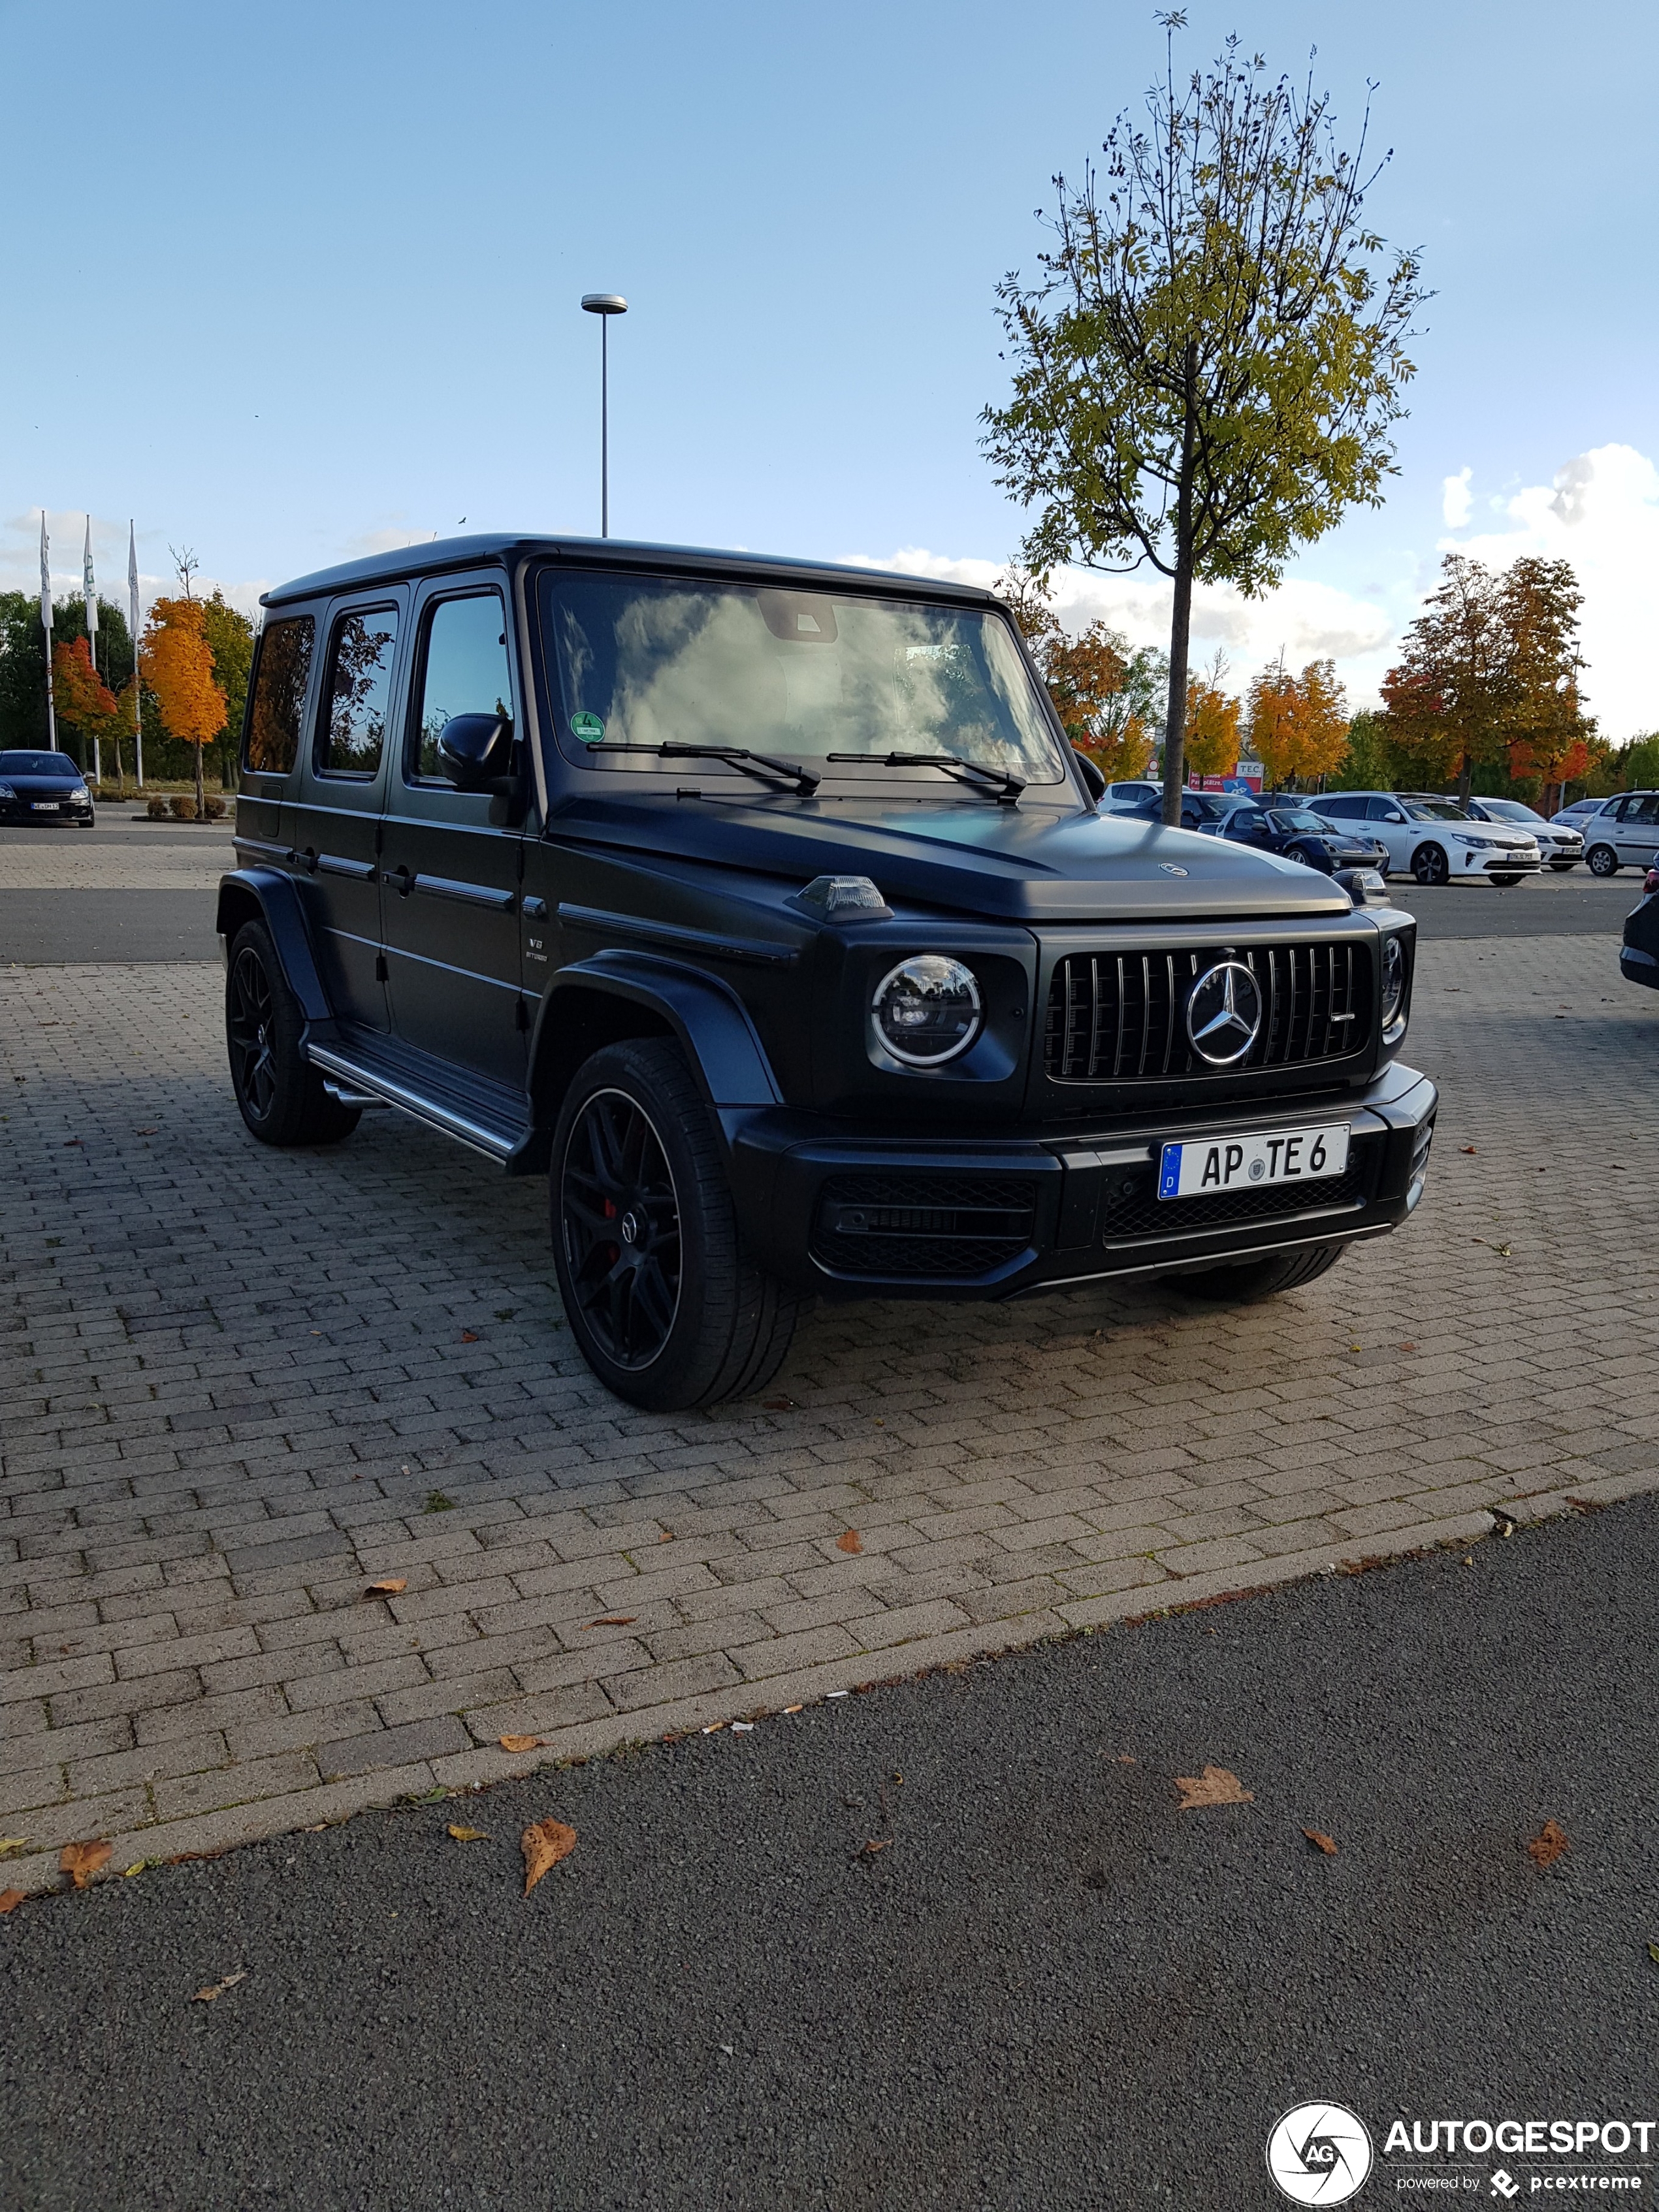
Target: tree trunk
1180, 615
201, 795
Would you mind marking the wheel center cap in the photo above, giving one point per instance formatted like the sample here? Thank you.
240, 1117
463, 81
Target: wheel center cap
628, 1227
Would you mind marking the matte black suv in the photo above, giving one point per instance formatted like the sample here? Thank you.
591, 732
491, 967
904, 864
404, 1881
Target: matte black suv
763, 908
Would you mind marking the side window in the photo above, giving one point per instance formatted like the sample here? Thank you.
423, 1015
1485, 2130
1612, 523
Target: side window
1341, 810
1381, 810
352, 726
1644, 811
279, 696
464, 671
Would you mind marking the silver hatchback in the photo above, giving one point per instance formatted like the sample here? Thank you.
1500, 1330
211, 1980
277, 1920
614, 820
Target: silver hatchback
1624, 835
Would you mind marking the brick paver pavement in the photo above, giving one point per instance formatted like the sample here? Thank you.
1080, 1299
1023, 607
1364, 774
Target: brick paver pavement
240, 1385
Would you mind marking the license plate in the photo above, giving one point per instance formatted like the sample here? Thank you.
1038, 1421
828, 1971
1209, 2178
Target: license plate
44, 806
1212, 1164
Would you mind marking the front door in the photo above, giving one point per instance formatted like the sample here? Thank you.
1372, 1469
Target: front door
450, 875
337, 819
1636, 831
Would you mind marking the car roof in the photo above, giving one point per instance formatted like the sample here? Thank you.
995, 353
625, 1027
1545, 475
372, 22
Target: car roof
440, 555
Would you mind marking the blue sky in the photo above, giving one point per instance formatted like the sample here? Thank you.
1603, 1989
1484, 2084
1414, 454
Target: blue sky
287, 283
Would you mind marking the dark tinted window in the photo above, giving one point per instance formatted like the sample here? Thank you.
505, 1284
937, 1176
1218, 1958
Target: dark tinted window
358, 694
279, 695
1343, 809
464, 672
38, 765
1644, 810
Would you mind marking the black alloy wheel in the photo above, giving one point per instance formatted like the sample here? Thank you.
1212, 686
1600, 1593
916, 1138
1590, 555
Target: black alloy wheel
1603, 860
666, 1306
1430, 865
280, 1094
622, 1229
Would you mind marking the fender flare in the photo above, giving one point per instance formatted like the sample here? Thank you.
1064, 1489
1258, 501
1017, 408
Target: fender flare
273, 897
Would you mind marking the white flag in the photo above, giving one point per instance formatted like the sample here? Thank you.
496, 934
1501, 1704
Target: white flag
134, 616
46, 574
90, 590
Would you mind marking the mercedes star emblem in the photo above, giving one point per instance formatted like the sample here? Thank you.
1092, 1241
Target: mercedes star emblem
1223, 1013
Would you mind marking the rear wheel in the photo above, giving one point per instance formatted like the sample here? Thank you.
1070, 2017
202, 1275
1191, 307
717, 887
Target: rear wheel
1430, 865
281, 1095
668, 1309
1249, 1280
1603, 860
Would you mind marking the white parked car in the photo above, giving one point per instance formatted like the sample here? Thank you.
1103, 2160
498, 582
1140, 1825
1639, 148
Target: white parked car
1432, 838
1117, 796
1560, 845
1625, 834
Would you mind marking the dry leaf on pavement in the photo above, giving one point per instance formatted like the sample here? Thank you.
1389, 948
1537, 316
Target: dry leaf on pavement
612, 1621
1322, 1842
13, 1843
10, 1899
217, 1989
849, 1540
1215, 1786
868, 1850
388, 1586
469, 1336
522, 1742
1547, 1846
468, 1835
80, 1861
544, 1845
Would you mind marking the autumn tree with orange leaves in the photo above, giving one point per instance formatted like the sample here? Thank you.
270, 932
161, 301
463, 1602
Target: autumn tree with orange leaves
1299, 725
1212, 718
84, 700
178, 668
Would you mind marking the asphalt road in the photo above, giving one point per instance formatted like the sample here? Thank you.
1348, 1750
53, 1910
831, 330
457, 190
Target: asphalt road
1050, 1989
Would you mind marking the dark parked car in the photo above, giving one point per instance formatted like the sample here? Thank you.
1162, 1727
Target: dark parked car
1297, 833
1639, 960
761, 909
1207, 812
44, 788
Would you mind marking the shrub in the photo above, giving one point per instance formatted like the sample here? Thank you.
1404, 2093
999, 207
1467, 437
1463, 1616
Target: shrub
213, 809
184, 810
157, 809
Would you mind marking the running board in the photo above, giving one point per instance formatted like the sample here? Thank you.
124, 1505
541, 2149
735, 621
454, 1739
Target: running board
366, 1089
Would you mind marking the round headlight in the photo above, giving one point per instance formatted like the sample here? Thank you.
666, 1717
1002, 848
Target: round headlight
926, 1009
1393, 984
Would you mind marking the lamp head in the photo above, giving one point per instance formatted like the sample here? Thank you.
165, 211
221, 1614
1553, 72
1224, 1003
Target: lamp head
604, 303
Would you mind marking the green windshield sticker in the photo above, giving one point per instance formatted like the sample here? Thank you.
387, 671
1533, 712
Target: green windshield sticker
588, 727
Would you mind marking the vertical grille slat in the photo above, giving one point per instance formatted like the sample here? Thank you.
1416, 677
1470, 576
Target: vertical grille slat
1121, 1017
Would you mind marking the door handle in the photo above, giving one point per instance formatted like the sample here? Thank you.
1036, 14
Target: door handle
405, 882
308, 859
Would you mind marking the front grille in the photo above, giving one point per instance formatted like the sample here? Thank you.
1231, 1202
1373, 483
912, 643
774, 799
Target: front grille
1133, 1207
1120, 1018
894, 1225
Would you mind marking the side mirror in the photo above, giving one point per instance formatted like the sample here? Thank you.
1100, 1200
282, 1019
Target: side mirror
473, 750
1394, 817
1093, 781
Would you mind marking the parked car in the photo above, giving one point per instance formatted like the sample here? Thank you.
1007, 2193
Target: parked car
1133, 793
759, 908
1299, 834
1578, 815
1624, 834
1432, 838
1638, 957
1560, 844
44, 788
1207, 812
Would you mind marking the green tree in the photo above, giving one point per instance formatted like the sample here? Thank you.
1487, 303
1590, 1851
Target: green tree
1207, 371
229, 635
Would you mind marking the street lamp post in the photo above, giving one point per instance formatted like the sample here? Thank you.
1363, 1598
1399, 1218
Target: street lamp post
605, 305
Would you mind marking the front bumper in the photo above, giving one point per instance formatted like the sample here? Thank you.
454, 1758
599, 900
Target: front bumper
17, 813
1488, 863
861, 1215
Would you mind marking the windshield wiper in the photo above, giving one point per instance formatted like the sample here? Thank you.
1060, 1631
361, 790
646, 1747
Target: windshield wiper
805, 780
1008, 785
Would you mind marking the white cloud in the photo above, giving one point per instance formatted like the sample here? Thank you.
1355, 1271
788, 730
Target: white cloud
1454, 499
1601, 513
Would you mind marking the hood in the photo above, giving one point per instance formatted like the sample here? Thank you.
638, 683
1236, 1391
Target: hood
43, 787
1025, 864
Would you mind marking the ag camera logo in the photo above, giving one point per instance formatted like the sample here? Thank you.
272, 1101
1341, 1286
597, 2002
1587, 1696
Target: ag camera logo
1319, 2154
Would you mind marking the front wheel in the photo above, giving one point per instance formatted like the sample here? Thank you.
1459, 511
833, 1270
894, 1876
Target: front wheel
1430, 865
1249, 1280
92, 819
668, 1309
1603, 860
280, 1093
1506, 882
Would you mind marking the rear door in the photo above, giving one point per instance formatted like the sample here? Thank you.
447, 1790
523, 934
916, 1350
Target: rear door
450, 873
281, 689
1637, 830
336, 819
1386, 818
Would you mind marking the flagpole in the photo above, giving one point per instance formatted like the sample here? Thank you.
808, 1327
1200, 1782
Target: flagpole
89, 594
45, 621
134, 617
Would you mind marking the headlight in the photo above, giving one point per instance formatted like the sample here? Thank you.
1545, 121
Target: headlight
926, 1009
1394, 990
1482, 842
6, 791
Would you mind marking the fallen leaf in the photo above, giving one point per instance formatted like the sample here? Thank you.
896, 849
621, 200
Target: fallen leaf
1127, 1759
1548, 1845
522, 1742
468, 1835
1215, 1786
137, 1867
1468, 1148
1653, 1948
468, 1336
144, 1133
868, 1850
68, 1141
544, 1845
1322, 1842
11, 1899
13, 1843
612, 1621
217, 1989
1408, 1347
849, 1540
388, 1586
80, 1861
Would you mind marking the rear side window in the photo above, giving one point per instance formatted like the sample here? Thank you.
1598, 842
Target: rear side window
464, 671
358, 693
1342, 809
279, 696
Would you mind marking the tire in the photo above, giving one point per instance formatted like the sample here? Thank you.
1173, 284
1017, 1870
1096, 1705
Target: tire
1250, 1279
1506, 882
279, 1094
91, 821
1562, 867
1603, 860
672, 1314
1430, 865
1295, 853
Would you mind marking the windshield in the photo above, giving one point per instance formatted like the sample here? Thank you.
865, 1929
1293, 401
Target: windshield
38, 765
1510, 810
648, 661
1433, 810
1299, 819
